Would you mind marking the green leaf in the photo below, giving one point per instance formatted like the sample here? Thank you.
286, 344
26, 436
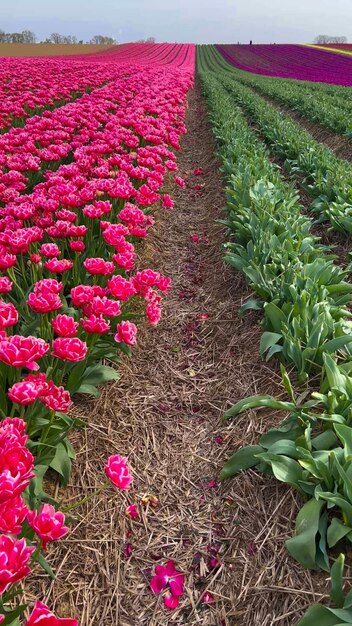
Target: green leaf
322, 559
252, 402
267, 341
250, 305
45, 565
335, 378
287, 383
98, 374
273, 350
90, 390
344, 433
284, 468
318, 615
337, 531
241, 460
75, 377
340, 502
285, 447
336, 344
275, 315
324, 441
302, 547
11, 618
336, 593
62, 463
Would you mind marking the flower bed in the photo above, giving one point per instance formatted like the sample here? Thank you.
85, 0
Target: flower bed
77, 189
290, 61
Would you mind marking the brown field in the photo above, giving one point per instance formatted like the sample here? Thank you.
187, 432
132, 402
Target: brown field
44, 49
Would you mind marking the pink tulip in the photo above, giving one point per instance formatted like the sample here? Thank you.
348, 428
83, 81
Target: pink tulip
117, 471
48, 524
69, 349
126, 332
42, 616
22, 351
14, 559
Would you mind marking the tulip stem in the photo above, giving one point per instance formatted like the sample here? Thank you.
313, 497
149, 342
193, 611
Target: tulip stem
86, 499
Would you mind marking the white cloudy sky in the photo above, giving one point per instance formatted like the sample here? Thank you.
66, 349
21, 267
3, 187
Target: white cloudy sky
198, 21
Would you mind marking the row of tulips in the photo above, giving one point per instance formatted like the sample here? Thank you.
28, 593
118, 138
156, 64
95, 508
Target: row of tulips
29, 86
70, 289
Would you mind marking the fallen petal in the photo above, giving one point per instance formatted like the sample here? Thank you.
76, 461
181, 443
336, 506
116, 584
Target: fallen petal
170, 601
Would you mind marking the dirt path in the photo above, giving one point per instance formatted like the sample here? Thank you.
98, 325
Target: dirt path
166, 414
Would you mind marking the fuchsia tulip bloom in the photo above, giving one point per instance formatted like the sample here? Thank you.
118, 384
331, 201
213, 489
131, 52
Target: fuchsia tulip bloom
24, 393
48, 524
14, 559
58, 266
12, 515
126, 332
99, 267
5, 284
117, 471
44, 302
49, 250
64, 325
77, 246
21, 351
42, 616
95, 324
121, 288
35, 387
8, 315
68, 349
179, 181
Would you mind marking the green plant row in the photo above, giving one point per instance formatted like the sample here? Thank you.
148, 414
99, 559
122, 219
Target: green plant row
327, 110
306, 321
326, 178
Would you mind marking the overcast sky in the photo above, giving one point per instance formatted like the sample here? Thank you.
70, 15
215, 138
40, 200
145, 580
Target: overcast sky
198, 21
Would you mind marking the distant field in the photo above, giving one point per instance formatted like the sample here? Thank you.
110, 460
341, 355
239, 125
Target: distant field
44, 49
301, 62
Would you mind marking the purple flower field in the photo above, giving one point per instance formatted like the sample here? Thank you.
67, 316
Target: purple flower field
290, 61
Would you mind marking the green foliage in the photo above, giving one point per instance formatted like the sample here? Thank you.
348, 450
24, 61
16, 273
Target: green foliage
304, 298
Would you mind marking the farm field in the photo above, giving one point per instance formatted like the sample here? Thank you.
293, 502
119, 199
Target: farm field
45, 50
175, 340
290, 61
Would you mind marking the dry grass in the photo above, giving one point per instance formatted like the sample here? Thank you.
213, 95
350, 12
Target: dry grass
164, 414
47, 50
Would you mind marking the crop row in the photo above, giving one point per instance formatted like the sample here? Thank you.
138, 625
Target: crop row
304, 298
176, 54
327, 179
70, 292
29, 86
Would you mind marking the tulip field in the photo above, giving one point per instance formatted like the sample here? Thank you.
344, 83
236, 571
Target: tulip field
108, 163
85, 147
